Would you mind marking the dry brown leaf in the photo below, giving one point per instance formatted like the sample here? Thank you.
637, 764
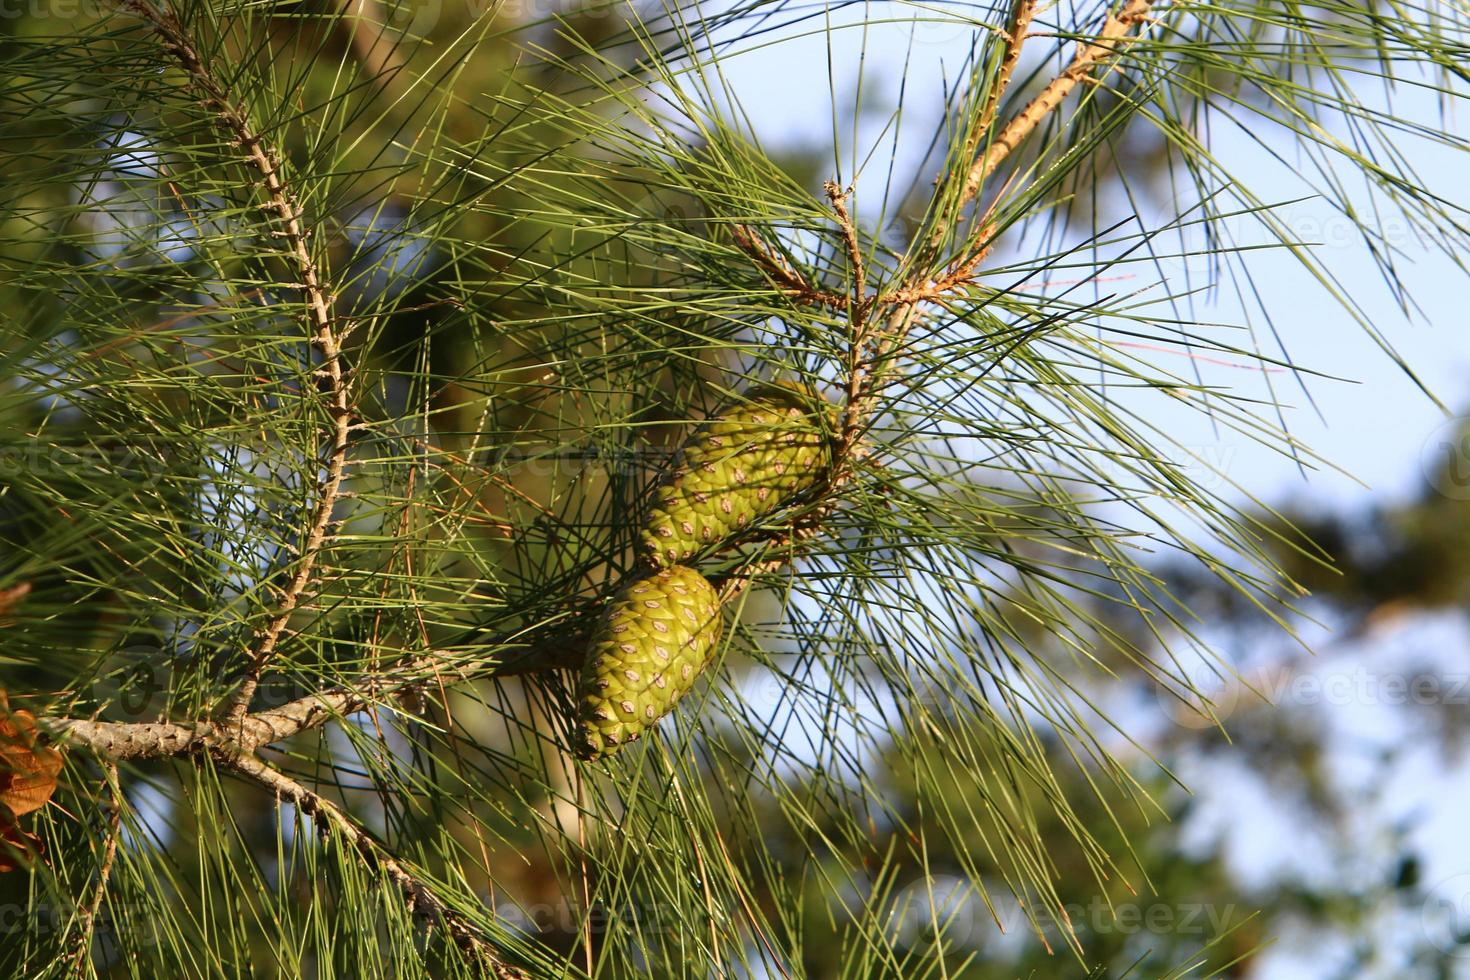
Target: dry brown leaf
14, 842
28, 771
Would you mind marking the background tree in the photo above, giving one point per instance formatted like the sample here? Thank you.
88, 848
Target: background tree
347, 342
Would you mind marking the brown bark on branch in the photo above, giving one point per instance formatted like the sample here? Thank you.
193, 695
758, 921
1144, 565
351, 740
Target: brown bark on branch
118, 741
787, 279
279, 201
1022, 13
80, 946
166, 739
1115, 36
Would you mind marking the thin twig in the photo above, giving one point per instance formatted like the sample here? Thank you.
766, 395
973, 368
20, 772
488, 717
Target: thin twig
862, 378
164, 739
857, 301
1113, 38
857, 317
421, 898
788, 280
82, 944
278, 199
1022, 13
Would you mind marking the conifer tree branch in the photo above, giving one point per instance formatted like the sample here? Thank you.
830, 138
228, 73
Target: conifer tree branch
870, 345
904, 301
857, 301
115, 740
81, 944
1022, 13
266, 161
857, 319
118, 741
422, 899
423, 673
790, 282
1115, 36
241, 731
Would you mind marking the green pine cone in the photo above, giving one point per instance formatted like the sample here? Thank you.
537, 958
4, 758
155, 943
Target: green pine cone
656, 637
737, 469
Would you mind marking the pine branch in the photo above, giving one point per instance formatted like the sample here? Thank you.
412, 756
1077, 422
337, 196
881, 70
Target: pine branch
424, 673
788, 280
82, 944
242, 731
858, 298
1023, 12
917, 290
1113, 38
232, 748
421, 898
119, 741
868, 348
234, 120
857, 316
